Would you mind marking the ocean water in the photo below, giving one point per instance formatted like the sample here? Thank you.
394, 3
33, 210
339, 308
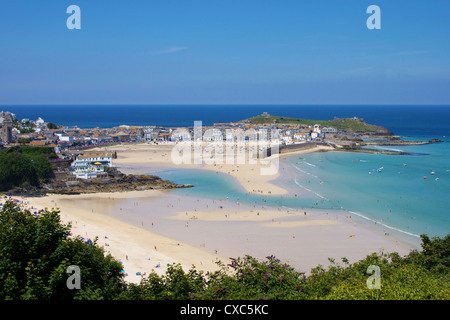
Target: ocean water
397, 197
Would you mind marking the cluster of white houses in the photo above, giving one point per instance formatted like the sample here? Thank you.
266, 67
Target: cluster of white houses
288, 134
90, 166
37, 133
87, 166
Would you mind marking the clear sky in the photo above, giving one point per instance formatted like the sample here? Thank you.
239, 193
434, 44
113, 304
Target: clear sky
225, 52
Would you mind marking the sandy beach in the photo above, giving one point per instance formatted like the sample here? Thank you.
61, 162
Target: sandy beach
140, 250
200, 232
132, 158
303, 238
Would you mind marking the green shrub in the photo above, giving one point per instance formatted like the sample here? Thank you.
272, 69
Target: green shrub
25, 166
35, 251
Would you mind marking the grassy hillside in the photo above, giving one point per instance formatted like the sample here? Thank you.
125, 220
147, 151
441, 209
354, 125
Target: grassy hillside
349, 124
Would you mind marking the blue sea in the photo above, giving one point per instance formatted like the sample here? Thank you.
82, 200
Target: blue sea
398, 197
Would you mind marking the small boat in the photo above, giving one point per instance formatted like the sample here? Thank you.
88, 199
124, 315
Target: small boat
425, 177
432, 173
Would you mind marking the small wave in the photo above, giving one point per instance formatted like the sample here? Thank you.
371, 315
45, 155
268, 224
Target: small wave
305, 172
303, 187
384, 148
310, 164
384, 225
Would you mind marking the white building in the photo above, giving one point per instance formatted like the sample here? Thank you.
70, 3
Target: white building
65, 137
317, 128
329, 130
300, 137
91, 166
181, 134
288, 139
40, 121
213, 135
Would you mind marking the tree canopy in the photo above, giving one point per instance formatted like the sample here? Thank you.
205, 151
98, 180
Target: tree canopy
35, 252
23, 166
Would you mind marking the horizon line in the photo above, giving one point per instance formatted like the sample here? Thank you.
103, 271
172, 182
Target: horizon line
222, 104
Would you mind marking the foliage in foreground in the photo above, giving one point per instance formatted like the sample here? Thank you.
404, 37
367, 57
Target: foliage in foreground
271, 279
35, 251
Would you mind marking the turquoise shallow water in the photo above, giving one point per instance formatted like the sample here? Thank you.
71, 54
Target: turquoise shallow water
397, 197
220, 186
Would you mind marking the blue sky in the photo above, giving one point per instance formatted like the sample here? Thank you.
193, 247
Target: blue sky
224, 52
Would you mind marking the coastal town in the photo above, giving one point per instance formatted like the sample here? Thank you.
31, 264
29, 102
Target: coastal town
41, 133
76, 162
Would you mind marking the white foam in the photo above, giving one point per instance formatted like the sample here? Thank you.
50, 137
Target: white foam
384, 225
302, 186
305, 172
310, 164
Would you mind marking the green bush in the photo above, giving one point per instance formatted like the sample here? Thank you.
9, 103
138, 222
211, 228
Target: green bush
175, 284
35, 251
250, 278
404, 282
25, 166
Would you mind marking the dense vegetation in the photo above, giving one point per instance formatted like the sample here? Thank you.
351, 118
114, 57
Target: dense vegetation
35, 251
349, 124
23, 166
51, 125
